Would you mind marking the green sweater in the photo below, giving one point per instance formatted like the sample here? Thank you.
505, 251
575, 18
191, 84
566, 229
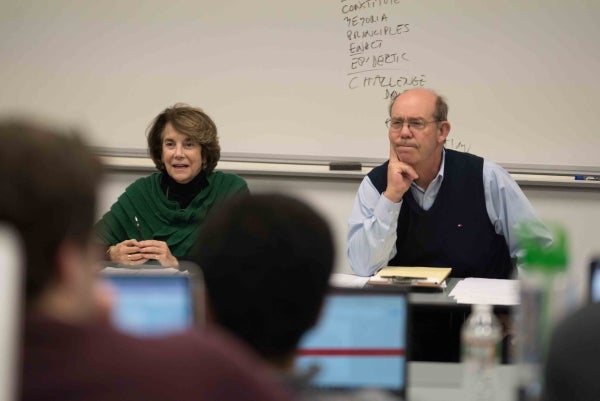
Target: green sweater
163, 219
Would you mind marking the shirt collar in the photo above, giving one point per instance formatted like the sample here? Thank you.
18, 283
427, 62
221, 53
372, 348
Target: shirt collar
442, 166
440, 174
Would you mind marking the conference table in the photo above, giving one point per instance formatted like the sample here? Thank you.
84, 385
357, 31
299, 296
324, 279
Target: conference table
442, 381
430, 380
436, 319
442, 299
418, 297
437, 299
439, 381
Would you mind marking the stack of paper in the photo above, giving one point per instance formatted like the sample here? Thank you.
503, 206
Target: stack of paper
347, 280
486, 291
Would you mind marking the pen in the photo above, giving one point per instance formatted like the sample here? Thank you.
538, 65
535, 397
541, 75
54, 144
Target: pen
580, 177
139, 229
403, 280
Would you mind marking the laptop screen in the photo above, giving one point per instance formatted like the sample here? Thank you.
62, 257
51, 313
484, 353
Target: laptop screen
360, 340
594, 288
150, 305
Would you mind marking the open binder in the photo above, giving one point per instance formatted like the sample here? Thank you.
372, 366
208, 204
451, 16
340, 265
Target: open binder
411, 276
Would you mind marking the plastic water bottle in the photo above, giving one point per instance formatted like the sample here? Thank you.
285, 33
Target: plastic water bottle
481, 336
545, 299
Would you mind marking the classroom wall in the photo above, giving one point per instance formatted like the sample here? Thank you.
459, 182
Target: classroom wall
576, 208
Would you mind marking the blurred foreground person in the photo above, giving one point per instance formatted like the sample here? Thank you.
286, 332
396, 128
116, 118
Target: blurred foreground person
570, 369
48, 182
267, 260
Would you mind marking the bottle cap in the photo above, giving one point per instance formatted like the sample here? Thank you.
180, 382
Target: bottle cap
540, 257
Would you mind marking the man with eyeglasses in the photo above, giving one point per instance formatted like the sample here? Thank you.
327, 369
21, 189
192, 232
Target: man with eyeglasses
431, 206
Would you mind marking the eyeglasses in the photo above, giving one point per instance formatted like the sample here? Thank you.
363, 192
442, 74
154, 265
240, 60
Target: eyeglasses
413, 125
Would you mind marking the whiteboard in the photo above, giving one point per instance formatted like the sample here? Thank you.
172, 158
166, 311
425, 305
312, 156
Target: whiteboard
313, 77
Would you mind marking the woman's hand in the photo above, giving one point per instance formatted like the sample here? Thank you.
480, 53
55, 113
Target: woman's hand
132, 252
126, 253
159, 251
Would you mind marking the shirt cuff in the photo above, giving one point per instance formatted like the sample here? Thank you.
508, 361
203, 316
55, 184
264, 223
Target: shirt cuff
387, 211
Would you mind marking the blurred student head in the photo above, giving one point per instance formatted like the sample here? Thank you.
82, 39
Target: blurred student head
266, 261
48, 183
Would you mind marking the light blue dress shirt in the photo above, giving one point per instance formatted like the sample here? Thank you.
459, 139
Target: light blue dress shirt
373, 222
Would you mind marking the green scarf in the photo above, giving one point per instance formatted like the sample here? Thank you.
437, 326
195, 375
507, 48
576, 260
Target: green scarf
162, 219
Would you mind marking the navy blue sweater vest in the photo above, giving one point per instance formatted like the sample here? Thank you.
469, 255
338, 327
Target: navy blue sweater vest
456, 231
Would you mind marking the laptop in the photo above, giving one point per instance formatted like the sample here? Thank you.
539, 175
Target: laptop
360, 341
148, 302
594, 280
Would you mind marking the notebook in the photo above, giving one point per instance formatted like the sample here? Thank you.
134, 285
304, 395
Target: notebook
594, 280
360, 341
412, 276
150, 304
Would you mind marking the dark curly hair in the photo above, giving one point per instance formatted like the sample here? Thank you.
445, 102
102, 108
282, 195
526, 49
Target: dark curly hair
189, 121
